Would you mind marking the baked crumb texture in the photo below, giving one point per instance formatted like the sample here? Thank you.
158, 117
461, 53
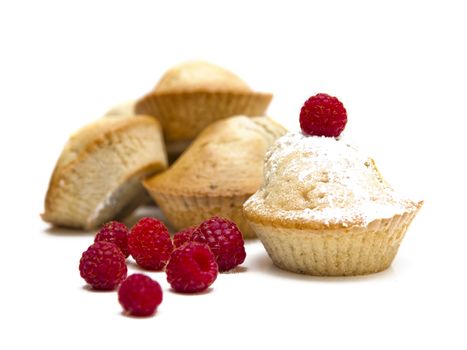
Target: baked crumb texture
98, 176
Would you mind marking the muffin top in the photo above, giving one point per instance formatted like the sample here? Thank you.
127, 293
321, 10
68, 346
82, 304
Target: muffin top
226, 159
316, 181
198, 76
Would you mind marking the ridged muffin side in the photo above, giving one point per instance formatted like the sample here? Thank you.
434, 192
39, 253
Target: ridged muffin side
192, 95
217, 173
334, 252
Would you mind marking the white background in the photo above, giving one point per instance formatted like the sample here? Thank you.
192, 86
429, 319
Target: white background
400, 70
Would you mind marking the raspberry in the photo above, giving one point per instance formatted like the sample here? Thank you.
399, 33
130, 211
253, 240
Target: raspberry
140, 295
103, 266
192, 268
150, 244
180, 238
225, 240
323, 115
117, 233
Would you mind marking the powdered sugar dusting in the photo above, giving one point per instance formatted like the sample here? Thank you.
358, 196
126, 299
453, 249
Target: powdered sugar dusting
326, 180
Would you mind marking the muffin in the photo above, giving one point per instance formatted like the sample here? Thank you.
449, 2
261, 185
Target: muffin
192, 95
124, 109
127, 109
98, 175
324, 209
217, 173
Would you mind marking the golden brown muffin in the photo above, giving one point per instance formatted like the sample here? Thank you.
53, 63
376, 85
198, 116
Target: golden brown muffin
324, 209
124, 109
192, 95
98, 175
217, 173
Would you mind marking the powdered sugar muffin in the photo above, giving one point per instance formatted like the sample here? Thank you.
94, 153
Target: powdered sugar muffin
325, 209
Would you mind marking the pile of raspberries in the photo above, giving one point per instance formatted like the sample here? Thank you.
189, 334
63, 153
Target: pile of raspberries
191, 260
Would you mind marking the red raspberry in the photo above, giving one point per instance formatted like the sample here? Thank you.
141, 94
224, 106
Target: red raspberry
140, 295
103, 266
180, 238
323, 115
192, 268
150, 244
225, 240
117, 233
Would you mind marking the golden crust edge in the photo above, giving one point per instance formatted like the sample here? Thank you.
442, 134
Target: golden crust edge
120, 125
